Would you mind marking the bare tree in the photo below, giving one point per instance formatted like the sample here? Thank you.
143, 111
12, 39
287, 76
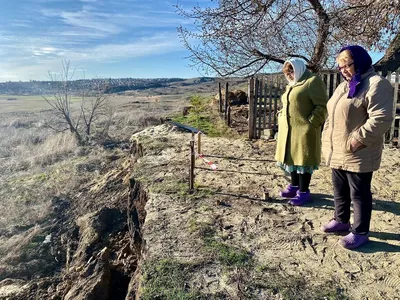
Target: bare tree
93, 104
243, 37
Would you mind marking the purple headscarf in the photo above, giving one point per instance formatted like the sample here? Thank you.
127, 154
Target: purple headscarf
362, 63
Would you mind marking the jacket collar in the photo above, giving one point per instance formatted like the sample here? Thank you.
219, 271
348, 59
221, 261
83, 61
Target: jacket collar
368, 73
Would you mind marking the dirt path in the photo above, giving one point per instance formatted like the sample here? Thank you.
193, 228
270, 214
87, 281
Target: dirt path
285, 243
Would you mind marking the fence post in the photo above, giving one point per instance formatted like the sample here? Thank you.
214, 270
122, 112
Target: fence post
260, 112
226, 99
192, 164
328, 83
265, 102
220, 97
335, 84
229, 116
199, 142
251, 108
270, 103
255, 106
277, 87
395, 99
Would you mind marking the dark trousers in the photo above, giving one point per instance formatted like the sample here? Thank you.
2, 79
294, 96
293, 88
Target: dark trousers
353, 187
301, 180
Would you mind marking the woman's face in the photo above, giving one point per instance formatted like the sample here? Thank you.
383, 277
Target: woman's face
347, 69
289, 75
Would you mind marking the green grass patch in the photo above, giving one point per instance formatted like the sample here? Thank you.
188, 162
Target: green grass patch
170, 187
166, 279
203, 116
291, 287
229, 255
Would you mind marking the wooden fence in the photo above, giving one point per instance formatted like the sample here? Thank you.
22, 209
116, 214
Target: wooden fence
224, 107
264, 93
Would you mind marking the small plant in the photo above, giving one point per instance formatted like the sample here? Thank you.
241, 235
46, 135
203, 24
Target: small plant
166, 279
203, 117
229, 255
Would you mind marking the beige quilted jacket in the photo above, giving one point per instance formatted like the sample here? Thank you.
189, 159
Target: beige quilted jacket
366, 118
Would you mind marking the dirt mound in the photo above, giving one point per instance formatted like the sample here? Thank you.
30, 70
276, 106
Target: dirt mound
235, 97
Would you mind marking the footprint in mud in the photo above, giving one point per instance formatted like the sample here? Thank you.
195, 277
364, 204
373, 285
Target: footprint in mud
286, 241
392, 282
363, 292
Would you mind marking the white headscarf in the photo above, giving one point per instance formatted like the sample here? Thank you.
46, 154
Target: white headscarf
299, 68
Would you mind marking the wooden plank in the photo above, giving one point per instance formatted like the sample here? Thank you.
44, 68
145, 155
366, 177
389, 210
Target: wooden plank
334, 83
256, 96
220, 96
260, 110
276, 104
395, 100
226, 99
251, 109
229, 116
271, 91
328, 83
184, 127
265, 102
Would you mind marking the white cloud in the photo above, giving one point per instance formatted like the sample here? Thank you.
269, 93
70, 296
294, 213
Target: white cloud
87, 31
43, 59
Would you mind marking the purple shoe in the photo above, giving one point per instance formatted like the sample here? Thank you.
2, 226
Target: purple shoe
353, 241
289, 192
300, 198
335, 226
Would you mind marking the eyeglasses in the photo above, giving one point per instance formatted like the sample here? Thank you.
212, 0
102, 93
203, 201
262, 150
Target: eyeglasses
345, 66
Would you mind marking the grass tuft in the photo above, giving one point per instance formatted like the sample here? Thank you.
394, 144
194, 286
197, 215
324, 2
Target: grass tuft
204, 116
166, 279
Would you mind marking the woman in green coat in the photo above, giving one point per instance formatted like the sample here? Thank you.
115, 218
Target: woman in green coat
303, 112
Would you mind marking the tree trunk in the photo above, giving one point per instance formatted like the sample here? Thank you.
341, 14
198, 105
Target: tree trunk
390, 62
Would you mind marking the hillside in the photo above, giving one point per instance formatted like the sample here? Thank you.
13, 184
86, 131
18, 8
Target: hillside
111, 85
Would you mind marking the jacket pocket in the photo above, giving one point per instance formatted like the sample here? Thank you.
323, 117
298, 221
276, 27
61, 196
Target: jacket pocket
347, 145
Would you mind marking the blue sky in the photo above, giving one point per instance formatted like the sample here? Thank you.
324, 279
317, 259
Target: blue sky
101, 38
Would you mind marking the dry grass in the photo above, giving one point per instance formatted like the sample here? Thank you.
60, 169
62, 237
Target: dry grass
38, 164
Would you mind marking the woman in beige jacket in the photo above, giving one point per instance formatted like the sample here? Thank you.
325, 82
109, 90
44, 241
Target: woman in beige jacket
359, 113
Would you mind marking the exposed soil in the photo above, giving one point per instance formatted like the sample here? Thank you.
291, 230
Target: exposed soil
136, 232
285, 239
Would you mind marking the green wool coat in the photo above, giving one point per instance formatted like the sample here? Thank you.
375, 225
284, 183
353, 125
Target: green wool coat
299, 123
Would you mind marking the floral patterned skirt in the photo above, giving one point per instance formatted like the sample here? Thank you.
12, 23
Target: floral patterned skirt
298, 169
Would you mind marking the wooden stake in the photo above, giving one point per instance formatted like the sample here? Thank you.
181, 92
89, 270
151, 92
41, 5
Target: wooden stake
192, 161
199, 143
229, 116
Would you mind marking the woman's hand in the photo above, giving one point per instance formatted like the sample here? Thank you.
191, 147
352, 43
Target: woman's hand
356, 145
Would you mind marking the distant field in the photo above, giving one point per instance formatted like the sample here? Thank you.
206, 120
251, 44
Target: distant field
10, 103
